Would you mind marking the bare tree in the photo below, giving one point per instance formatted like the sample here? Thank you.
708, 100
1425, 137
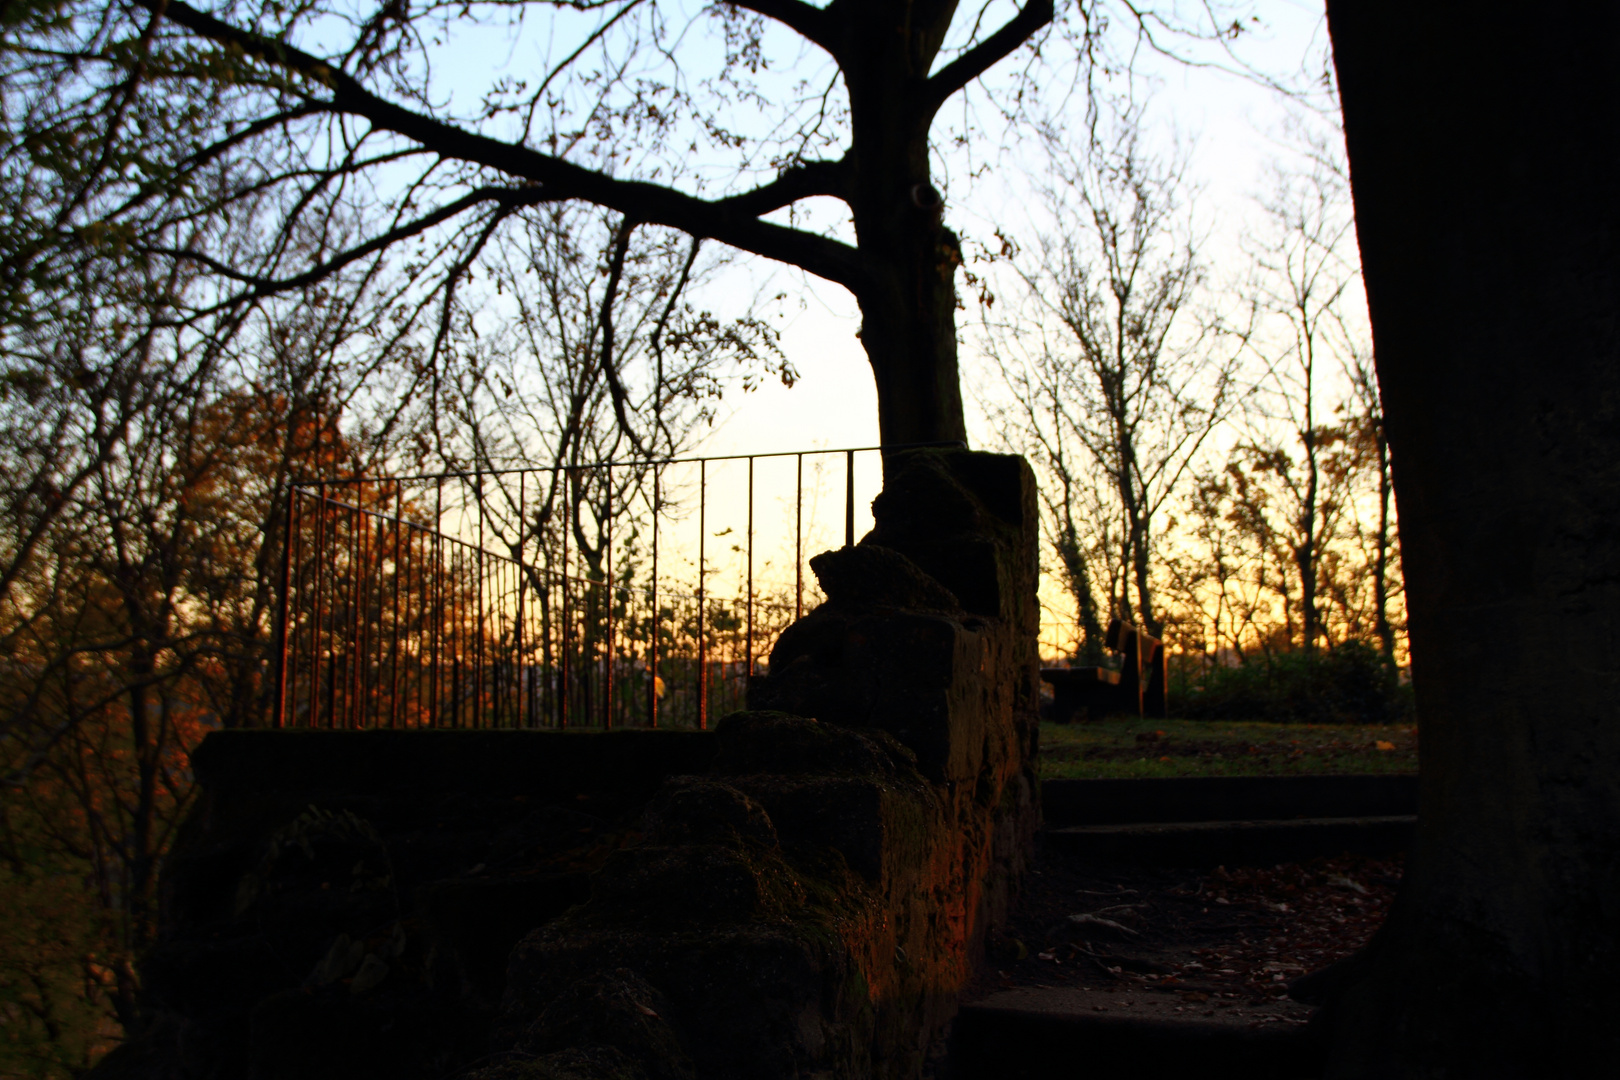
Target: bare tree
1304, 278
1126, 379
598, 354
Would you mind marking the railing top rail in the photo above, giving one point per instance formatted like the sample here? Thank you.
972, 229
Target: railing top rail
949, 444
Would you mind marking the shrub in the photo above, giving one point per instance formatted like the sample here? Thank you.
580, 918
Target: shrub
1350, 684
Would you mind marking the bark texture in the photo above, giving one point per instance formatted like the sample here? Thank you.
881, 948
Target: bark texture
1485, 173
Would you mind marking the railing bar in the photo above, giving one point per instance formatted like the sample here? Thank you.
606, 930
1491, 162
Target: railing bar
342, 609
371, 674
331, 632
515, 666
438, 597
458, 639
289, 530
849, 499
563, 650
506, 644
491, 635
419, 654
748, 648
522, 580
702, 612
798, 540
338, 705
652, 633
479, 624
947, 444
607, 599
399, 572
351, 707
315, 618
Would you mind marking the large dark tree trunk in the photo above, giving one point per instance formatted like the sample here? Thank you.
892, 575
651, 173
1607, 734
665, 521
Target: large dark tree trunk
909, 331
908, 301
1486, 173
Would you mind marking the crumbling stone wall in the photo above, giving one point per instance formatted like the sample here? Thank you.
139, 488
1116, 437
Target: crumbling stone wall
342, 903
801, 893
814, 906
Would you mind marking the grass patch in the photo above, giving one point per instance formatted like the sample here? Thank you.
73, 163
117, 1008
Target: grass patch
1137, 749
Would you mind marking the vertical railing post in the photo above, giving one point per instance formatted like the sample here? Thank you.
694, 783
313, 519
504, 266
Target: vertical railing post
357, 571
399, 572
748, 644
652, 633
290, 531
315, 616
849, 498
798, 539
563, 657
522, 582
458, 630
607, 598
373, 694
335, 545
478, 607
437, 590
702, 612
416, 604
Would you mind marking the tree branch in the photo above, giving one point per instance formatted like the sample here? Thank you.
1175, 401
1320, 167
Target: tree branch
510, 199
652, 204
621, 248
811, 23
798, 182
983, 56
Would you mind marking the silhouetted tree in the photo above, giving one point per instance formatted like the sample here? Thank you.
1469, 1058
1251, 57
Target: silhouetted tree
1111, 371
671, 117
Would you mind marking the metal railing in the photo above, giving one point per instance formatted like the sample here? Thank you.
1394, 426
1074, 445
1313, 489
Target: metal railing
580, 595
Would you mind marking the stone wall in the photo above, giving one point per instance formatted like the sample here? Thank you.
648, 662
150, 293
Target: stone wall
342, 904
801, 893
815, 905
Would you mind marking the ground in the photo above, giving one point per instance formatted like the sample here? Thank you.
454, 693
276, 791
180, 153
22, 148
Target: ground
1196, 942
1145, 748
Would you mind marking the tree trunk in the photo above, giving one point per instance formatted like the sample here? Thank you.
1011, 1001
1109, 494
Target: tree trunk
1078, 573
909, 331
908, 314
1140, 565
1305, 554
1485, 171
908, 305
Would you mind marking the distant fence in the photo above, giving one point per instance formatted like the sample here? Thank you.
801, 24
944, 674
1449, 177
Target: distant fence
584, 595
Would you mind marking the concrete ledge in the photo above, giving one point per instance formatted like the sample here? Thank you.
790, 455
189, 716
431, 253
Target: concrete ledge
431, 760
1226, 798
1042, 1033
1234, 843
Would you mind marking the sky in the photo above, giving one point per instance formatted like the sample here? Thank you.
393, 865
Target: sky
1231, 124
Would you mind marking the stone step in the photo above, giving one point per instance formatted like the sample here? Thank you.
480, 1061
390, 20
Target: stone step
1052, 1033
1226, 798
1233, 843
